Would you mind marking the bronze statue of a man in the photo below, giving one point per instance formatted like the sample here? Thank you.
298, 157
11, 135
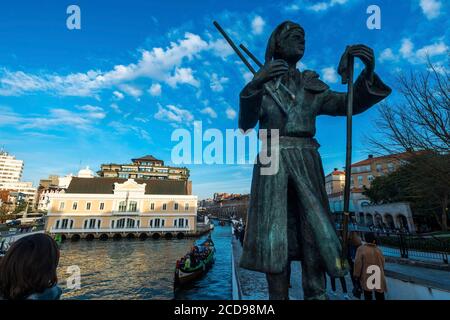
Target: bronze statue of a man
289, 215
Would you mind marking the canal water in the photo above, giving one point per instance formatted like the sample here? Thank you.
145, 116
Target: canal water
135, 269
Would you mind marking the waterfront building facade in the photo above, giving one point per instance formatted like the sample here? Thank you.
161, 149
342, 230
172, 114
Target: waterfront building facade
147, 167
113, 207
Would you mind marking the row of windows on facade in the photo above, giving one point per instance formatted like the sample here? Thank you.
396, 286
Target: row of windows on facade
122, 223
10, 169
140, 176
124, 207
134, 169
11, 164
12, 173
360, 180
378, 168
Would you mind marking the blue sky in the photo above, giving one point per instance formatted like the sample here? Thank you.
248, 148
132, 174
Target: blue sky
117, 88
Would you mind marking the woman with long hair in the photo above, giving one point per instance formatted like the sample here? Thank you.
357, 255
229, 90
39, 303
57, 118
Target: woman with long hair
28, 270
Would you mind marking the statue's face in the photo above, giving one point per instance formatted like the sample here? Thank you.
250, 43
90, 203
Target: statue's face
291, 44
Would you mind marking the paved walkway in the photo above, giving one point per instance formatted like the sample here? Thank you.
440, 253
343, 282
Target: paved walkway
253, 284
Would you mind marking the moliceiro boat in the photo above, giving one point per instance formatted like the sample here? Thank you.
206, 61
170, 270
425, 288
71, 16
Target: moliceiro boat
195, 264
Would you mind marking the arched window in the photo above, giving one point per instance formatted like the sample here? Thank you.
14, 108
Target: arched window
130, 223
120, 223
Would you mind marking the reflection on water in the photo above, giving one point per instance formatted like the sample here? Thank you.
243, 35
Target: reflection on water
134, 269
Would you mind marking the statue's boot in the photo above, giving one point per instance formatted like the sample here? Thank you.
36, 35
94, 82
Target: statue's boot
278, 286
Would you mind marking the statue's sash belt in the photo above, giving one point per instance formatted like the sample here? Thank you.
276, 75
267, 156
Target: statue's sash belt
298, 142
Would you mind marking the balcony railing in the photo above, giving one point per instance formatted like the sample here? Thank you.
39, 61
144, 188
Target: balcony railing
126, 213
107, 230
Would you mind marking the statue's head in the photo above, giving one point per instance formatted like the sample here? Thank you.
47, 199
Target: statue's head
287, 42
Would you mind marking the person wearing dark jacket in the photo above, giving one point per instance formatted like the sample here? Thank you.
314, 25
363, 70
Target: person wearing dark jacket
28, 270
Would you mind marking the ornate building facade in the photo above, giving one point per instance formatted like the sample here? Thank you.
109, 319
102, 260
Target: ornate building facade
113, 207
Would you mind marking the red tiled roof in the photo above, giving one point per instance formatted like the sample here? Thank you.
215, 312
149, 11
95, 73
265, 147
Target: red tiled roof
402, 155
146, 158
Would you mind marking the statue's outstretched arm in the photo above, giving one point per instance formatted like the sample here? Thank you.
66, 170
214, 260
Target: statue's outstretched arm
366, 94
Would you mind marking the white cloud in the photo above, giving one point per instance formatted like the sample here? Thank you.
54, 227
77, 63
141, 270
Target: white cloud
420, 55
131, 90
217, 82
55, 118
119, 95
387, 55
220, 48
155, 89
322, 6
93, 111
231, 113
406, 49
122, 128
209, 111
172, 113
435, 49
248, 76
431, 8
115, 107
258, 24
330, 75
182, 75
292, 7
440, 68
157, 64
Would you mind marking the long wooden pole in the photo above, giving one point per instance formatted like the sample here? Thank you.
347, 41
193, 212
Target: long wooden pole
348, 158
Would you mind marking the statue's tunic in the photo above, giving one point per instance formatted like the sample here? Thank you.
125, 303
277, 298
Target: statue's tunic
289, 216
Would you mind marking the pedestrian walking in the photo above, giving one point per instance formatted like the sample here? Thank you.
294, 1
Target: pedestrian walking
369, 262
